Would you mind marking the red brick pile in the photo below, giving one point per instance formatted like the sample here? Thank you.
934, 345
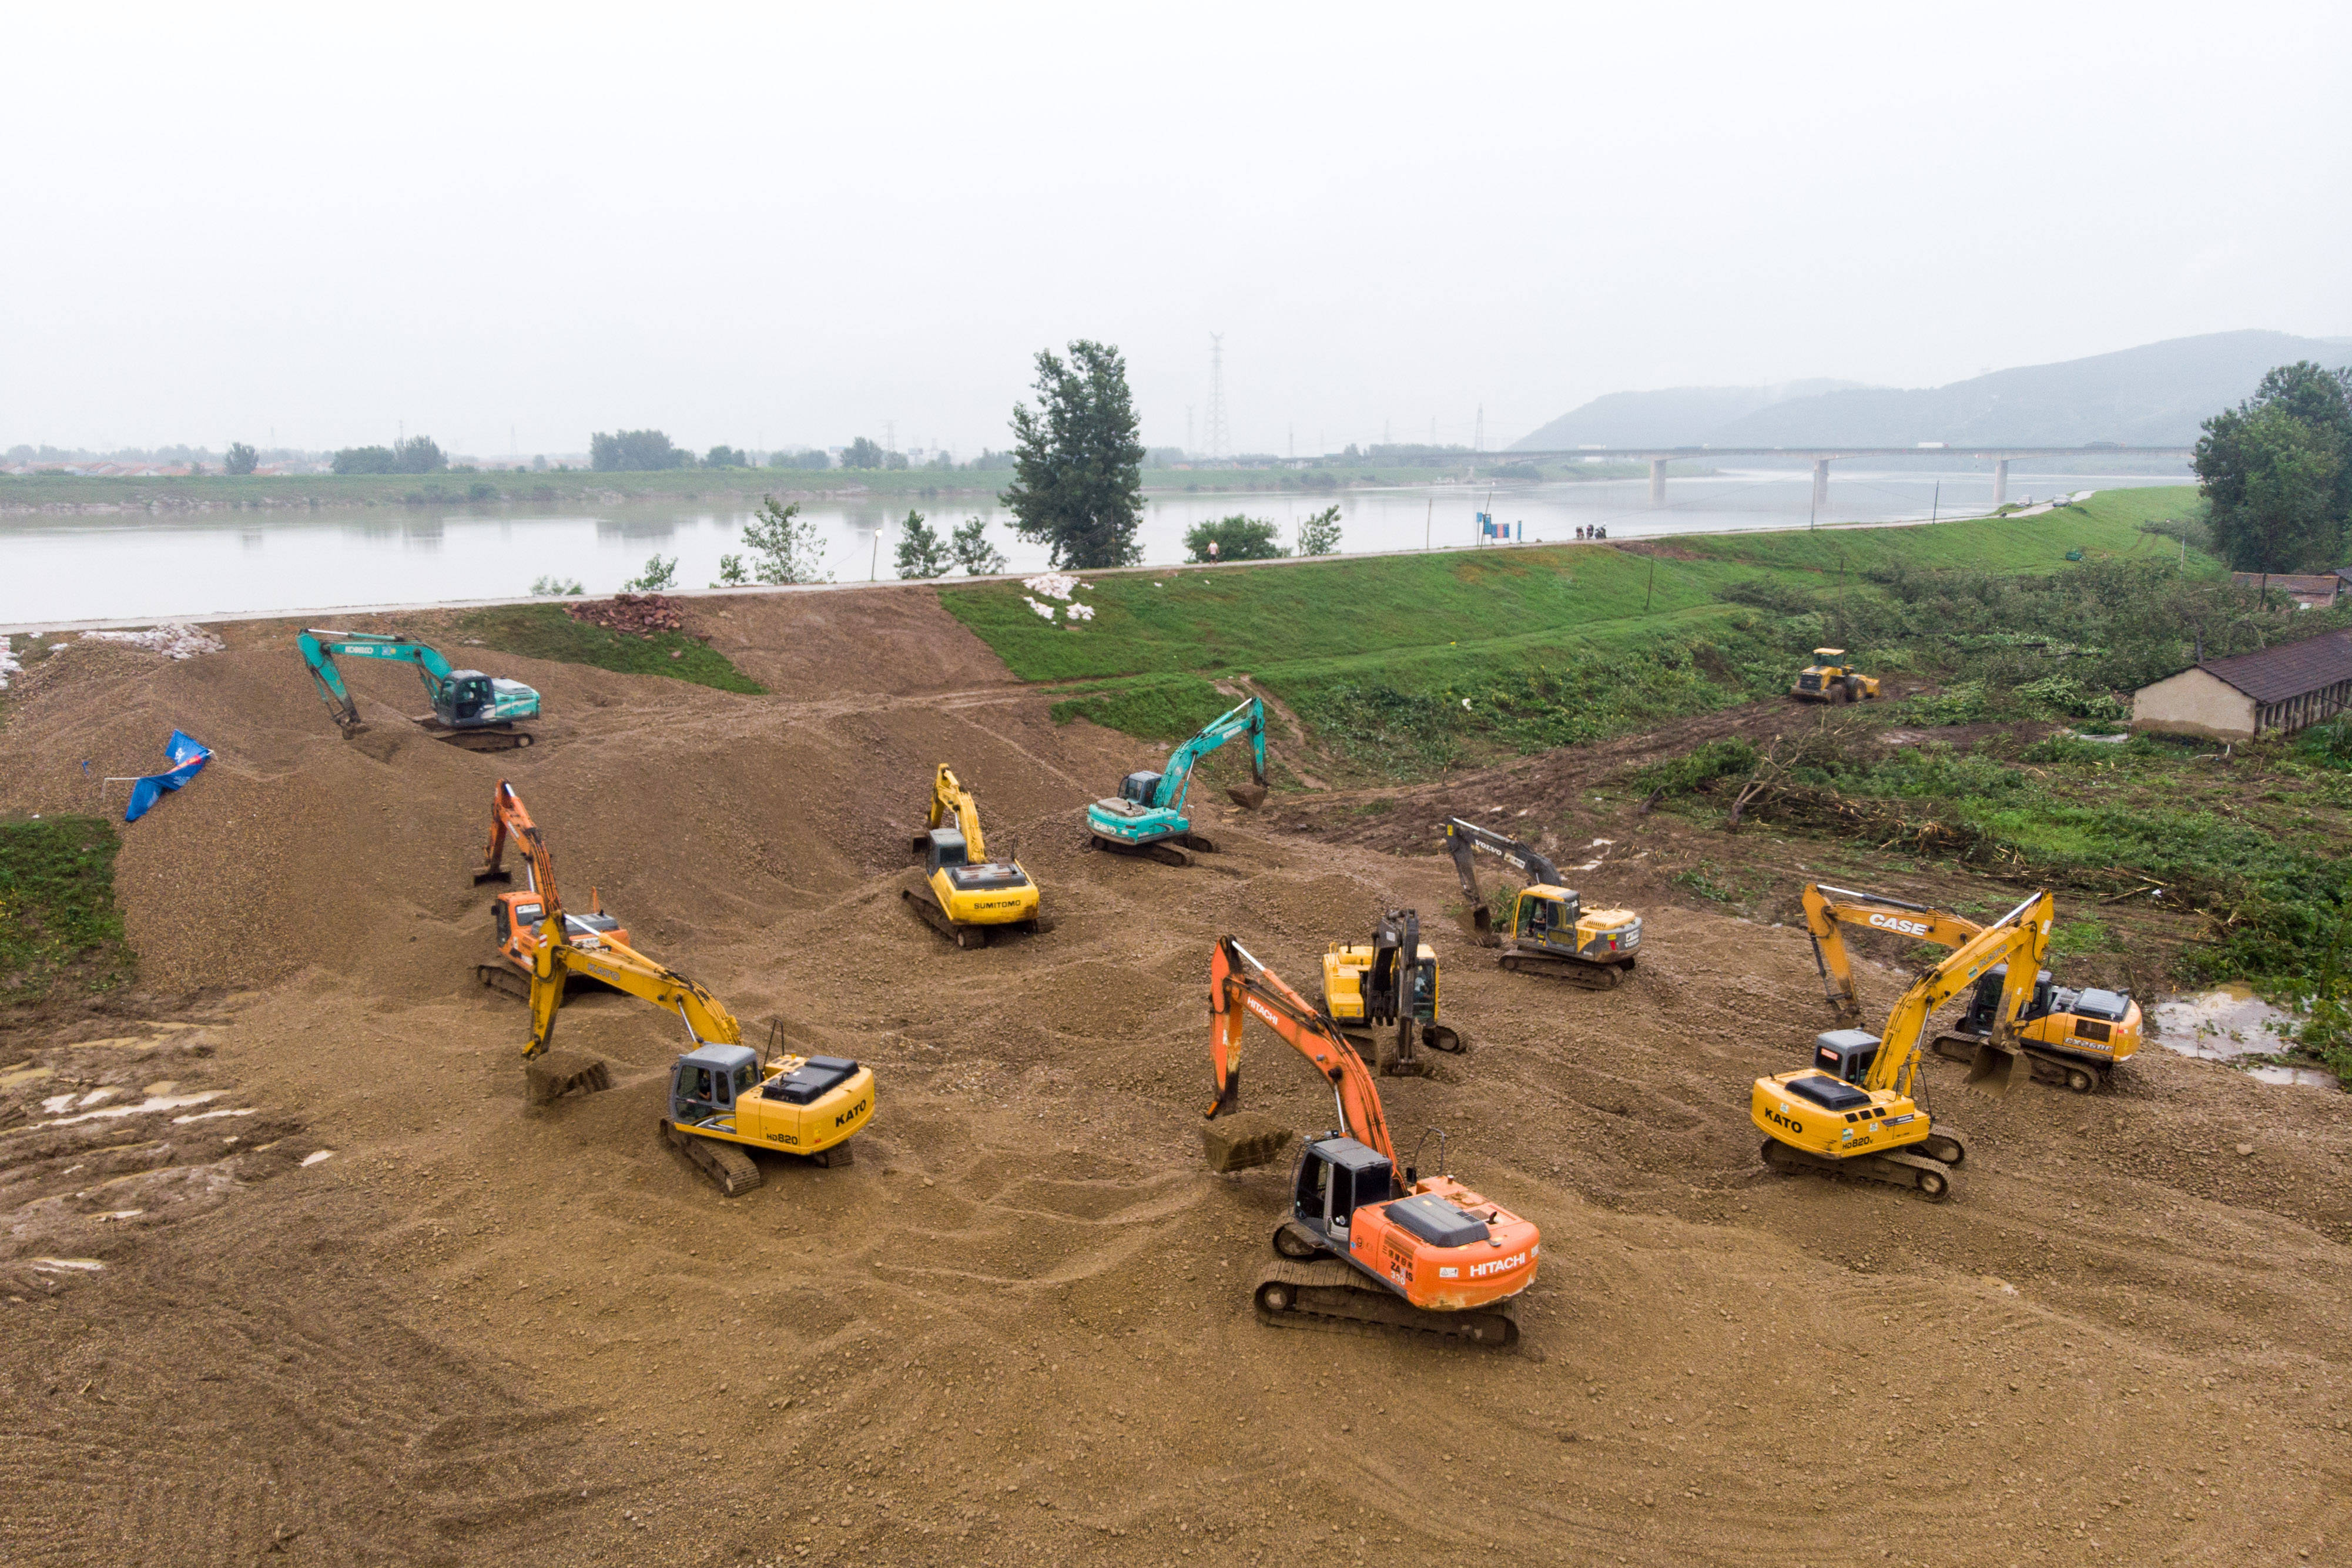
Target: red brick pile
632, 615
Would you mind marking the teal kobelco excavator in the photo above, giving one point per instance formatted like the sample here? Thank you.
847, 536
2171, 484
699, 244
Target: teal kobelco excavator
477, 711
1148, 817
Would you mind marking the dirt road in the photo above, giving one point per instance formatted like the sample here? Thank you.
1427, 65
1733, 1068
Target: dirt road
317, 1286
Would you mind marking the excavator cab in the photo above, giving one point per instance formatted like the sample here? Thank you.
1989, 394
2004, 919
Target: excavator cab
1139, 788
1337, 1175
707, 1080
1847, 1054
1546, 918
466, 699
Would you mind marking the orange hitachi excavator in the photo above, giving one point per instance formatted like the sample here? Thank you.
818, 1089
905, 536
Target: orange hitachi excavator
1362, 1247
516, 916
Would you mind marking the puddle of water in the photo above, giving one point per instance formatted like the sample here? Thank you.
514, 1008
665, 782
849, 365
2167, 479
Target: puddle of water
2304, 1078
2219, 1024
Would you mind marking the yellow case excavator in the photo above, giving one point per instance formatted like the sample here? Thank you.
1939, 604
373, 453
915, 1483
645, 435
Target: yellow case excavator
1860, 1108
962, 894
2061, 1035
1371, 987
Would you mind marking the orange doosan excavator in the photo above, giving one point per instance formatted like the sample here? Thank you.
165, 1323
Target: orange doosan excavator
516, 916
1363, 1246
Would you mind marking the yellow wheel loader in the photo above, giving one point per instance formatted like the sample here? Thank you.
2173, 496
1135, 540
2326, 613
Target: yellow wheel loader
960, 893
1388, 982
1829, 679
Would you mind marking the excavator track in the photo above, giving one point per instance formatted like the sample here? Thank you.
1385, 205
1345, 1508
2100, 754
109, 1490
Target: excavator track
928, 907
1167, 851
504, 979
488, 738
2079, 1077
1580, 972
1328, 1295
735, 1172
1931, 1178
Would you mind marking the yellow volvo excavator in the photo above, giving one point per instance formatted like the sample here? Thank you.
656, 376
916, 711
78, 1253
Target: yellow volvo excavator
962, 894
723, 1099
2073, 1037
1549, 931
1860, 1108
1388, 982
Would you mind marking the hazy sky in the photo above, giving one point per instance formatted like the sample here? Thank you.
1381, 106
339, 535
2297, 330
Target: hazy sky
795, 224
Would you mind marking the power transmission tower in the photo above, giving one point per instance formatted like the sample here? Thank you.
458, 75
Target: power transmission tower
1218, 435
889, 435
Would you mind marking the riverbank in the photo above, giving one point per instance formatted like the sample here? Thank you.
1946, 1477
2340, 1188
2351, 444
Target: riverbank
68, 495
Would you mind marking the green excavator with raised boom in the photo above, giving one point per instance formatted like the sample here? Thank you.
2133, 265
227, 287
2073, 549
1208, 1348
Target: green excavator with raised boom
479, 712
1147, 818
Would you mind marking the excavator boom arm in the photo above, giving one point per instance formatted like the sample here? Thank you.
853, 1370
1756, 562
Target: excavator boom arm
1239, 984
1249, 719
706, 1018
319, 646
509, 820
950, 798
1828, 909
1461, 836
2018, 939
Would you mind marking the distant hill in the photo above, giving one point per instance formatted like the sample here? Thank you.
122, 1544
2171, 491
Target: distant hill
2153, 396
1666, 418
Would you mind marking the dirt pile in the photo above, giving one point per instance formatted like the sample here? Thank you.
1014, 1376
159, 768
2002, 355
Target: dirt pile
632, 615
1015, 1330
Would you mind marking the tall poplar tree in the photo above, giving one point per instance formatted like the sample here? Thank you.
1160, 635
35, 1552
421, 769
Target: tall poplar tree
1078, 461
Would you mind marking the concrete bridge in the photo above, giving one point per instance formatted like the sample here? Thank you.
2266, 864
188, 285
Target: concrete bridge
1822, 457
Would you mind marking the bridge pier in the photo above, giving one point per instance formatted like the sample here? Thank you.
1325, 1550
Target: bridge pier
1657, 482
1821, 485
2000, 483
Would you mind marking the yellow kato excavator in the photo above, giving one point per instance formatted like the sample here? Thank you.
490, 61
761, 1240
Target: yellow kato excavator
1860, 1108
723, 1099
1549, 931
1388, 982
962, 894
2073, 1037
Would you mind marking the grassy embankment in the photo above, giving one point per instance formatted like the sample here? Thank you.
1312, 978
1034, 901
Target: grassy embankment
37, 492
1406, 666
59, 930
545, 631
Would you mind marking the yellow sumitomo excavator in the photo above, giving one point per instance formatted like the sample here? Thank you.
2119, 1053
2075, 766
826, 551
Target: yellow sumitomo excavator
2067, 1036
1388, 982
962, 894
723, 1099
1859, 1108
1549, 931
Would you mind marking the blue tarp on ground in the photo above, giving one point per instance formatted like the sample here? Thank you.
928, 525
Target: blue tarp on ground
189, 754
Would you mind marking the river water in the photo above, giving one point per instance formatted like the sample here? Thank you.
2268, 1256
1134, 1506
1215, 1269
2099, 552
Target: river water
189, 566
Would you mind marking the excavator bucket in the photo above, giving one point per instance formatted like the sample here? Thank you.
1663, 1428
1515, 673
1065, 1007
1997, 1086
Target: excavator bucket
1996, 1070
1249, 796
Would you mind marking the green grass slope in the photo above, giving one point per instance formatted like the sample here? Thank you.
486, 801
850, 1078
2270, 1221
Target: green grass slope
1407, 665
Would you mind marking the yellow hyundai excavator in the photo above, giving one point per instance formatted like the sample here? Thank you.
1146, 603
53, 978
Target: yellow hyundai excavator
723, 1098
2073, 1037
1388, 982
1860, 1108
962, 894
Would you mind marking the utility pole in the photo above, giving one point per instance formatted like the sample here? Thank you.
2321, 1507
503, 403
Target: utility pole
1478, 431
1219, 436
889, 435
1428, 520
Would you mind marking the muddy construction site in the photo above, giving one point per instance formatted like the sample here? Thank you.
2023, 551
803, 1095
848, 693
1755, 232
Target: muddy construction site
293, 1273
